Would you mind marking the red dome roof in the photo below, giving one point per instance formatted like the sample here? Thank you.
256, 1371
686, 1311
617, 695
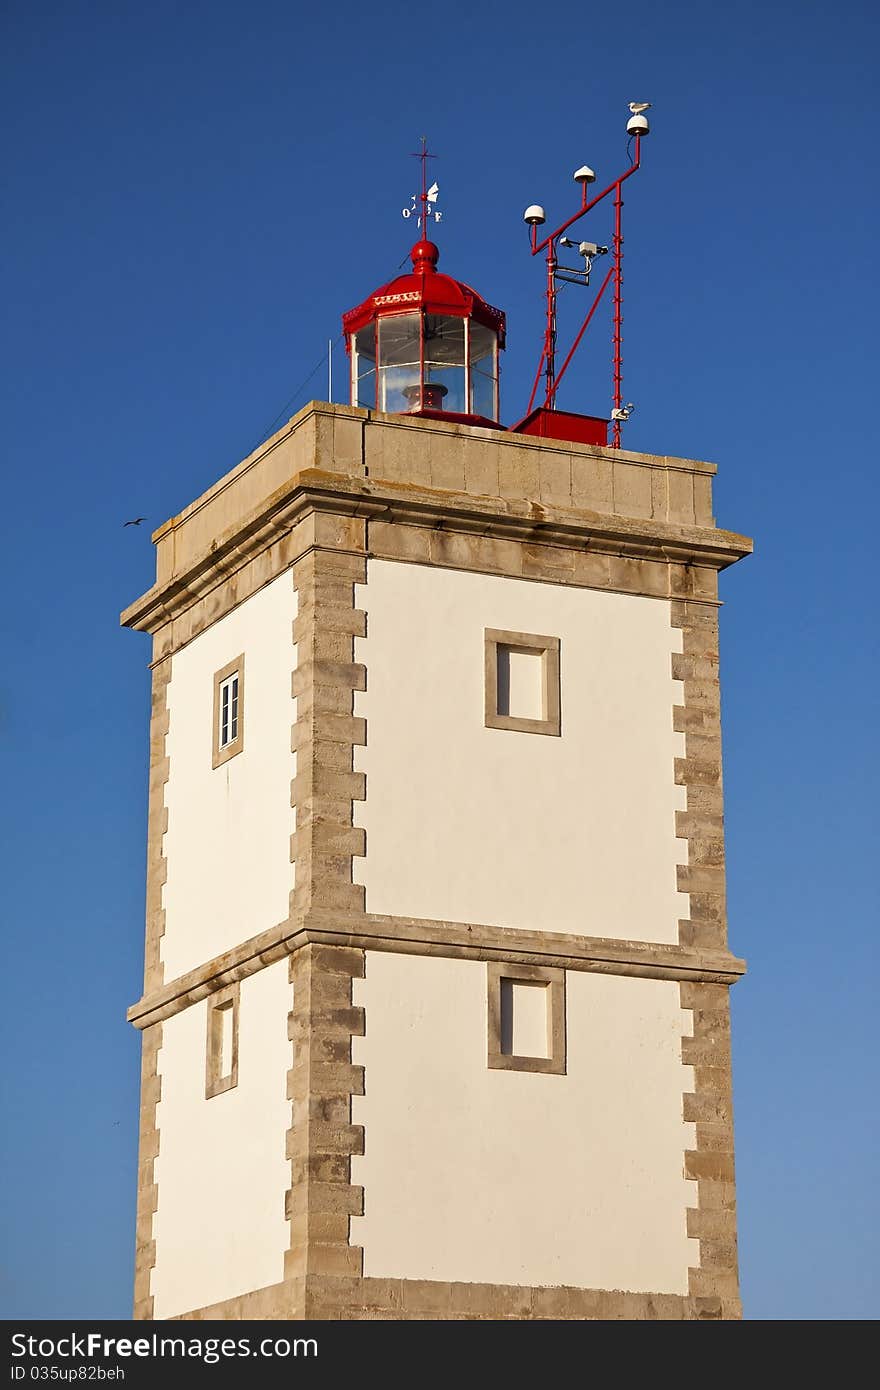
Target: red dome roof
425, 288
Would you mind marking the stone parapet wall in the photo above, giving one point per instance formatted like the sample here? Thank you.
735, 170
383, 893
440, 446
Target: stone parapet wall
438, 455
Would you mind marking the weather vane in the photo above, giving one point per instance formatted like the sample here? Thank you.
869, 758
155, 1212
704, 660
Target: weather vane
428, 211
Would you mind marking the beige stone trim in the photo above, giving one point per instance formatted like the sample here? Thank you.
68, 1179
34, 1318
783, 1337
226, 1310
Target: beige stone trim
454, 940
701, 824
148, 1192
545, 647
404, 1300
327, 437
699, 771
322, 1079
584, 564
157, 824
329, 1298
322, 1138
558, 543
284, 1302
554, 983
711, 1163
590, 562
216, 1080
326, 731
442, 456
219, 755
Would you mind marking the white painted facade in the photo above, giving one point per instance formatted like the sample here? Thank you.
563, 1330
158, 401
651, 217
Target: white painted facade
469, 824
471, 1174
491, 1176
227, 846
220, 1229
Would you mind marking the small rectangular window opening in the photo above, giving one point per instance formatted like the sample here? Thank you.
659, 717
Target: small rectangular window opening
526, 1017
229, 710
522, 682
222, 1052
225, 1016
228, 729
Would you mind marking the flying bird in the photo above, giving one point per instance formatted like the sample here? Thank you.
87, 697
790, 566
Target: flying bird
136, 521
637, 107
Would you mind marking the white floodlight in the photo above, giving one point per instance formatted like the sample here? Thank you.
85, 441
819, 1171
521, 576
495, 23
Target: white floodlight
638, 125
584, 174
534, 215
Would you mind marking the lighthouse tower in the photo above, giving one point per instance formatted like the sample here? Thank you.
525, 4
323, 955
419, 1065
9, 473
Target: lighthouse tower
435, 1012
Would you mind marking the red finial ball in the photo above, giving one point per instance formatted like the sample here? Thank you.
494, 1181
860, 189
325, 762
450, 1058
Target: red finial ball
425, 256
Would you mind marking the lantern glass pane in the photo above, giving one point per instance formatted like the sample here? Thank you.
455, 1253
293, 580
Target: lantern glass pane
399, 355
484, 371
444, 363
482, 395
364, 367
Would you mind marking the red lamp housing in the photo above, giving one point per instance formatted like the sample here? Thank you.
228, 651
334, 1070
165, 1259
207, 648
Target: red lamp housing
427, 345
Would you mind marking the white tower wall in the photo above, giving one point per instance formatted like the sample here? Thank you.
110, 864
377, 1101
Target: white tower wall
227, 846
472, 824
511, 1177
220, 1229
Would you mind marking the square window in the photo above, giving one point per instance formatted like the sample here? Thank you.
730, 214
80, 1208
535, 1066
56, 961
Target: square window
221, 1068
526, 1007
522, 682
228, 732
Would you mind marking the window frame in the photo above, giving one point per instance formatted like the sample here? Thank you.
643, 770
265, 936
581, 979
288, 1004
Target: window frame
553, 979
545, 647
221, 755
216, 1082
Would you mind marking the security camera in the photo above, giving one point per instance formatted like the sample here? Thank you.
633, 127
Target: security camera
638, 125
584, 174
534, 215
589, 248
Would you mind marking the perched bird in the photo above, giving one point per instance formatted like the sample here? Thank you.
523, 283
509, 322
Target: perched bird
637, 107
135, 522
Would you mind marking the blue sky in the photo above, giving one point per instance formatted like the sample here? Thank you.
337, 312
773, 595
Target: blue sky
194, 194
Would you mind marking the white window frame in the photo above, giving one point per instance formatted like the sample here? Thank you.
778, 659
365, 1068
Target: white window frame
228, 726
228, 731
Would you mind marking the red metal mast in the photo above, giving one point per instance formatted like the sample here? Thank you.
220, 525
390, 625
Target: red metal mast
534, 215
617, 333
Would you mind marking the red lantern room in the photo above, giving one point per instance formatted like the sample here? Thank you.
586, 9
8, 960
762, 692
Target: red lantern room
427, 345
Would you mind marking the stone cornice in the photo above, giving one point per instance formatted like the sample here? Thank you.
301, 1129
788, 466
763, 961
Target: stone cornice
414, 936
532, 523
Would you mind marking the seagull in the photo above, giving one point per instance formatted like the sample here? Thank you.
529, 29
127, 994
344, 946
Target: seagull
637, 107
136, 521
